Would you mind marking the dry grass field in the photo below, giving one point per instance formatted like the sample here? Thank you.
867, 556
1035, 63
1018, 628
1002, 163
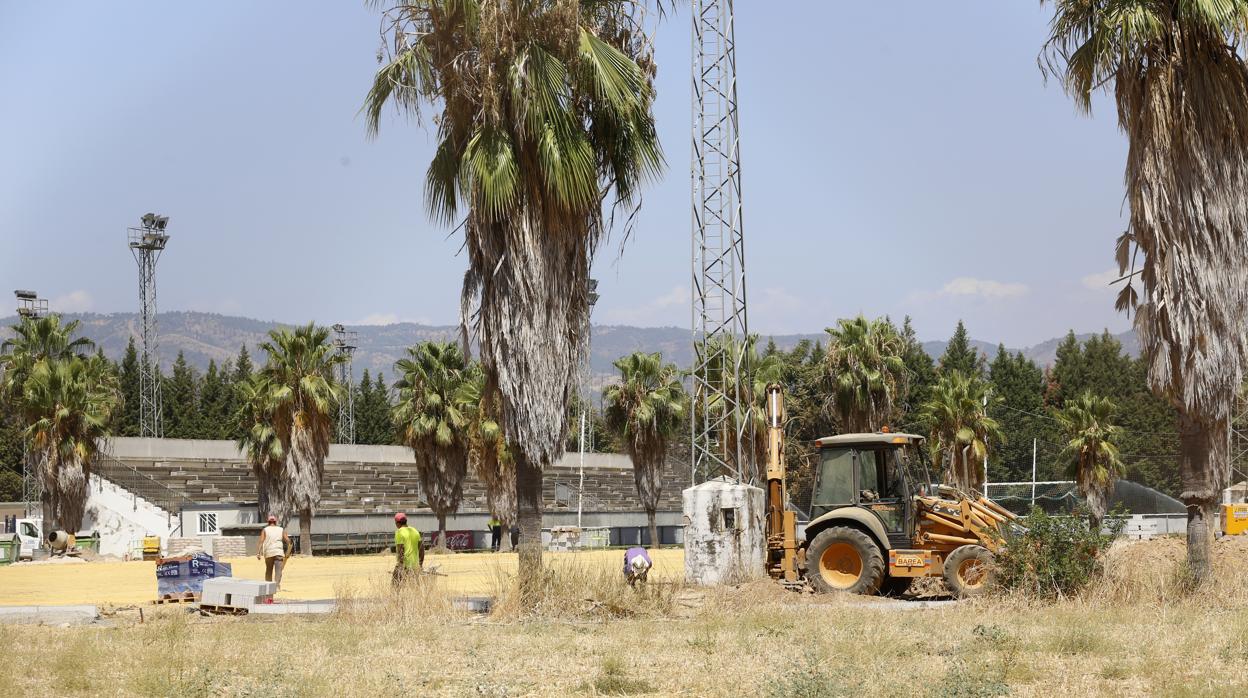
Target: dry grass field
1138, 633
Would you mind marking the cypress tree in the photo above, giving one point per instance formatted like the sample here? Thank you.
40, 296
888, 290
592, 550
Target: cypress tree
214, 418
921, 374
383, 431
129, 379
242, 366
1019, 382
180, 402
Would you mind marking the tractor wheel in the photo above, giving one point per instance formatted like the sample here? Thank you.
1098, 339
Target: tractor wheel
969, 571
844, 559
896, 586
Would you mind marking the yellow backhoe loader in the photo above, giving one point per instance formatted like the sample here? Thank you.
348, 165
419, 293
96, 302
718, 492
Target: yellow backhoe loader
876, 520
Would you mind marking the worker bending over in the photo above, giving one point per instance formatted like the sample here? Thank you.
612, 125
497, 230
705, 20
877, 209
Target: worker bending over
275, 547
408, 552
637, 565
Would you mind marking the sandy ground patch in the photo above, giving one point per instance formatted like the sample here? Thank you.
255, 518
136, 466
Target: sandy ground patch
305, 578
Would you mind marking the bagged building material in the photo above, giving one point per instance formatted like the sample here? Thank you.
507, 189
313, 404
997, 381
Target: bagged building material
177, 576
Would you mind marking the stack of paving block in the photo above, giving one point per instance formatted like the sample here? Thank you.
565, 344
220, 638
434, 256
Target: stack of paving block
236, 595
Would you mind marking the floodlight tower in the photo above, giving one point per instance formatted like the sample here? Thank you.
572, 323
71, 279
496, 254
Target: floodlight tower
1237, 439
345, 342
146, 243
30, 306
721, 435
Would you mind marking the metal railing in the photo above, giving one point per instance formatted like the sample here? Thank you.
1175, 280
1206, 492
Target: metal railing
139, 484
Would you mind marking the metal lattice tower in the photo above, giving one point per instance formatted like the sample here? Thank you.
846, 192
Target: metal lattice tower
31, 306
345, 342
721, 437
147, 243
1237, 436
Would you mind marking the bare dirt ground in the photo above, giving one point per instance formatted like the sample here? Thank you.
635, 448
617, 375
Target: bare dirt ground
113, 583
1139, 633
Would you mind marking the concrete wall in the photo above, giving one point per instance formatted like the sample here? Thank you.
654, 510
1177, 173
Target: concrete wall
724, 540
133, 448
122, 519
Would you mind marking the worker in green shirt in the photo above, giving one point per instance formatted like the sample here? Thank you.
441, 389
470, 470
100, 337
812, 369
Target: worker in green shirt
409, 553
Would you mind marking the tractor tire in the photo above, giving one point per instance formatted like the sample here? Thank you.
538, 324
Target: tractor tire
969, 571
896, 586
844, 559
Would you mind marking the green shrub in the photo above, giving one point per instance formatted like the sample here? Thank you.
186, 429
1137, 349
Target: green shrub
1054, 556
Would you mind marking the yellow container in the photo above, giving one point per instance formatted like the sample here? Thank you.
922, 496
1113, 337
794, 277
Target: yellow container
1234, 519
151, 544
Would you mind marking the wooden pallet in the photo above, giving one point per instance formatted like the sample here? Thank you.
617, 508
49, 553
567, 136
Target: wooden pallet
188, 597
222, 610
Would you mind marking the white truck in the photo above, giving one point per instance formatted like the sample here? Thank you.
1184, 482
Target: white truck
30, 533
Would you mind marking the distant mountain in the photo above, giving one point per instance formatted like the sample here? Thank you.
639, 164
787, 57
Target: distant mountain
208, 336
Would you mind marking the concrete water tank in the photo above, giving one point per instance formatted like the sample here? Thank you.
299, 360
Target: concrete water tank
724, 541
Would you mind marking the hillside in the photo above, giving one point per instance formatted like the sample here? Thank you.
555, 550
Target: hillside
208, 336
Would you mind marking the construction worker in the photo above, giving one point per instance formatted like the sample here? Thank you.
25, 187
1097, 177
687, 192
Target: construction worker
637, 565
409, 554
496, 533
275, 548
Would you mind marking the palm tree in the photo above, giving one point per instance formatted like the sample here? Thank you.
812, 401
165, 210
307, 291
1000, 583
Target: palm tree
865, 373
1180, 84
302, 398
1090, 451
646, 408
957, 418
68, 406
489, 454
262, 446
433, 420
544, 114
38, 347
34, 340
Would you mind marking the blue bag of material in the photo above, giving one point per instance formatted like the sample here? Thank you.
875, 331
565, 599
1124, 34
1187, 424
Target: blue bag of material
177, 575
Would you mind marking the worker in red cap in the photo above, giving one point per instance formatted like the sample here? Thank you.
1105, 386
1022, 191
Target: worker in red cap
409, 553
274, 547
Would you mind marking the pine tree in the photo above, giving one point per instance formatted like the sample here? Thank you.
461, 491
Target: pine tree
961, 356
129, 379
180, 401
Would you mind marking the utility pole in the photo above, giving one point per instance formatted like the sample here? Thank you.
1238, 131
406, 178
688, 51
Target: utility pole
146, 244
722, 435
1033, 473
30, 306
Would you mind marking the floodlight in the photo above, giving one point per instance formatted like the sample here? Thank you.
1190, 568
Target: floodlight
339, 328
149, 220
593, 285
161, 222
25, 295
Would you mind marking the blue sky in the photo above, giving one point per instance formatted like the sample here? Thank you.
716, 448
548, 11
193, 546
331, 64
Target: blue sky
897, 158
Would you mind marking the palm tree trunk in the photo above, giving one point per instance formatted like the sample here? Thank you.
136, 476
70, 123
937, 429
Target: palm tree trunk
305, 532
529, 518
1201, 450
654, 530
442, 531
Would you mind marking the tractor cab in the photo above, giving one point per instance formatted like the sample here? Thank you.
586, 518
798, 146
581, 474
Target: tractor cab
879, 474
